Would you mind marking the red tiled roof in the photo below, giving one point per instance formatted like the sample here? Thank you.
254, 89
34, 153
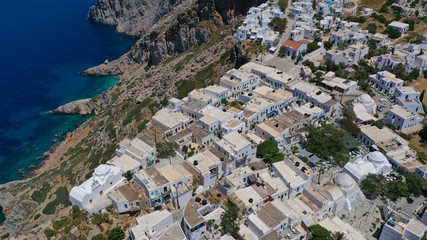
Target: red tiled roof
292, 44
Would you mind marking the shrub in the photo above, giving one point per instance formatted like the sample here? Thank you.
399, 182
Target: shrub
116, 233
99, 237
49, 233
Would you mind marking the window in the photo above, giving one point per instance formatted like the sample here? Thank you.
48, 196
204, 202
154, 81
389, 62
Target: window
126, 206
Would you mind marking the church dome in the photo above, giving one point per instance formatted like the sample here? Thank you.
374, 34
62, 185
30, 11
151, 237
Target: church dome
102, 169
376, 157
343, 181
365, 98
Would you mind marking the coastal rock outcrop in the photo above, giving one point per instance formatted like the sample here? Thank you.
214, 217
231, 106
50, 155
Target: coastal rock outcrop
131, 17
82, 107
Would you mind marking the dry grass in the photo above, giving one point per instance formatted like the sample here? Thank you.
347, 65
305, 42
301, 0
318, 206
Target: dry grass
420, 84
415, 144
374, 4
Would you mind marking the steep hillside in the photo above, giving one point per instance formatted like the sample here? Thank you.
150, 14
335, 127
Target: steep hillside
176, 34
131, 17
187, 49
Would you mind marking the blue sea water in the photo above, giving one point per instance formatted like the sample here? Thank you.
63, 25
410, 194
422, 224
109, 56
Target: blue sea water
44, 44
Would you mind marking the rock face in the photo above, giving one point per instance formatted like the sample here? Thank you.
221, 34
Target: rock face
132, 17
174, 35
82, 107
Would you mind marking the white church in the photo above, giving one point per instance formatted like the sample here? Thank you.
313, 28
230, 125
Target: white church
92, 194
364, 107
374, 163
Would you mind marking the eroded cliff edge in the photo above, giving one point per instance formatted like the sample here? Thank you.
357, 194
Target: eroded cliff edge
174, 34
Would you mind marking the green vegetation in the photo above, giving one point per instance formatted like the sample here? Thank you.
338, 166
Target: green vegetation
60, 224
136, 111
99, 218
372, 28
236, 104
380, 18
313, 46
278, 24
40, 195
128, 175
327, 141
283, 4
349, 126
327, 45
269, 152
116, 233
99, 237
2, 215
411, 23
141, 126
75, 212
423, 134
228, 222
319, 233
166, 150
392, 33
184, 88
6, 236
61, 199
361, 19
349, 113
377, 185
49, 233
266, 148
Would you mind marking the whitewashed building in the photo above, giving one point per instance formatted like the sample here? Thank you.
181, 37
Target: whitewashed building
373, 163
385, 82
92, 194
403, 119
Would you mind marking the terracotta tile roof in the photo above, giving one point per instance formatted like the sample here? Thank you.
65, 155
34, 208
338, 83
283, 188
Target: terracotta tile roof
292, 44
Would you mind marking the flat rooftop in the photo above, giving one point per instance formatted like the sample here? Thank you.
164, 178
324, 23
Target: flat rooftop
151, 178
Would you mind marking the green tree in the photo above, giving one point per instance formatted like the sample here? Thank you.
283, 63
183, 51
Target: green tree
282, 51
417, 185
166, 150
411, 23
266, 148
384, 9
128, 175
116, 233
283, 4
396, 189
319, 233
228, 222
312, 46
75, 212
99, 237
278, 24
327, 141
373, 186
392, 32
338, 236
349, 113
349, 126
372, 28
327, 45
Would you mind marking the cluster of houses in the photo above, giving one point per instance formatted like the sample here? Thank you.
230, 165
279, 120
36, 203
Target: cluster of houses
216, 131
256, 27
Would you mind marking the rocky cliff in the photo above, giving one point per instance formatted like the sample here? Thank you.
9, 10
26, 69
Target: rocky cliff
132, 17
176, 34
